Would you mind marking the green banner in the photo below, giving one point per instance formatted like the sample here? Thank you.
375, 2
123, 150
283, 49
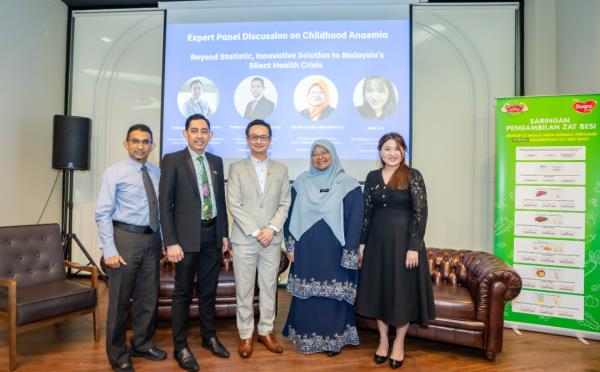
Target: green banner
547, 202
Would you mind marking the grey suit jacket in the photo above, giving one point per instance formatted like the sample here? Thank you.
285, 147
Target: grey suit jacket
252, 210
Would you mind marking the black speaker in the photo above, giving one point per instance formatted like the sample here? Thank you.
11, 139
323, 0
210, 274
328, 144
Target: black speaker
71, 142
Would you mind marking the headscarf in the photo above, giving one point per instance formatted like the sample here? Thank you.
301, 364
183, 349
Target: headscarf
313, 204
315, 111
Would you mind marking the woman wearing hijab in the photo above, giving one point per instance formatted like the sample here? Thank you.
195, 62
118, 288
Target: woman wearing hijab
317, 99
322, 236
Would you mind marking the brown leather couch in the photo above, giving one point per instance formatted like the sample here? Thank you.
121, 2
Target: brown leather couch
225, 305
470, 290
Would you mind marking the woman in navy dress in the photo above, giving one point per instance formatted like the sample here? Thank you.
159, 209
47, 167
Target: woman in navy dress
322, 239
395, 284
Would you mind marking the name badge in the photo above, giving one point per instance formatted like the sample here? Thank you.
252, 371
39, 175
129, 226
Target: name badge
324, 190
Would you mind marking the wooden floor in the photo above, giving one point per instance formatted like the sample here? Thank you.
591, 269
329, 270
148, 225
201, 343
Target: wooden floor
70, 347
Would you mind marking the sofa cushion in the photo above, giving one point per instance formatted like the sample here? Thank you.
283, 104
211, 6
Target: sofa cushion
469, 325
47, 300
453, 333
453, 302
225, 287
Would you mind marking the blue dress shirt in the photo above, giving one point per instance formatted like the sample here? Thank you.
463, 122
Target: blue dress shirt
123, 198
191, 107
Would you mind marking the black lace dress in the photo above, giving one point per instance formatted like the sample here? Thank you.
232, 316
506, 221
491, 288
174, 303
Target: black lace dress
394, 223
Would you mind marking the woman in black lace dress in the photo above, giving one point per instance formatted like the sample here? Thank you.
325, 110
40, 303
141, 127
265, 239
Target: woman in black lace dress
395, 284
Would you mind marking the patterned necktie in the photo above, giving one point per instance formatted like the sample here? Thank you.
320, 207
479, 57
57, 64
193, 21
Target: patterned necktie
152, 200
205, 191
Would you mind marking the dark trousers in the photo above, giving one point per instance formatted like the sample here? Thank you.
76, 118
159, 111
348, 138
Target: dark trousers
204, 267
138, 280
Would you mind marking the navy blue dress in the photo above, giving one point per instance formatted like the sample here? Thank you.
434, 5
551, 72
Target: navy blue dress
323, 281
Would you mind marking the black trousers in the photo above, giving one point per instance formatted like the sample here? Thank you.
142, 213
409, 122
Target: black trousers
204, 267
138, 280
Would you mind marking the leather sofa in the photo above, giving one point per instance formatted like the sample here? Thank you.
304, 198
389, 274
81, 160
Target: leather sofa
470, 290
225, 305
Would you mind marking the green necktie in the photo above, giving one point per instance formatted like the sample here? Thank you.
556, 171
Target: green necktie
205, 191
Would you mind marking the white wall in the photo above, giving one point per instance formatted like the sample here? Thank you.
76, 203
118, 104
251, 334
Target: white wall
463, 57
33, 36
562, 47
116, 81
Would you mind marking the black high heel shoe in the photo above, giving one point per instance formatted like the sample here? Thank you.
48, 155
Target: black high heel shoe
332, 353
379, 359
396, 363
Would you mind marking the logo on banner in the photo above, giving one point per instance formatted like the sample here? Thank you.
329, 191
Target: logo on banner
514, 109
584, 107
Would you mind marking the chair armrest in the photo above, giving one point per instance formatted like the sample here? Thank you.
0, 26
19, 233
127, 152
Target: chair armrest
8, 283
165, 263
10, 312
89, 268
284, 262
491, 277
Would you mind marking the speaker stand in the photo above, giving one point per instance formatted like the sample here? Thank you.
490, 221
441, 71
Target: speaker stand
67, 225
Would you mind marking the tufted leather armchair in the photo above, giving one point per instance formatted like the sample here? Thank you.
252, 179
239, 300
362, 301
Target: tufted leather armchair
225, 305
470, 290
34, 290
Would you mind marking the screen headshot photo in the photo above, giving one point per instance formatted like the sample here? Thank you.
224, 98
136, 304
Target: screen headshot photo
375, 97
198, 95
255, 97
315, 97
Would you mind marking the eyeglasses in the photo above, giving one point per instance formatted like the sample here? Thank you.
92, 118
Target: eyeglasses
323, 154
137, 141
255, 138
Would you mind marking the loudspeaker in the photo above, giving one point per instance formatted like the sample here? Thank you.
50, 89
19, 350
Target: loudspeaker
71, 142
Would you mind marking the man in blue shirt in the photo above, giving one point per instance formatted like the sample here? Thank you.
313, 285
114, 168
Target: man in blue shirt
196, 105
129, 236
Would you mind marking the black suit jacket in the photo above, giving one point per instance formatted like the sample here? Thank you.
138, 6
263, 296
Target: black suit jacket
264, 107
180, 202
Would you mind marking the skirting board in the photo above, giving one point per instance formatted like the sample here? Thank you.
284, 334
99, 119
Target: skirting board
552, 330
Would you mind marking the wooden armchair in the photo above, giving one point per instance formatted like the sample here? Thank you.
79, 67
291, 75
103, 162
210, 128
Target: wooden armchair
34, 289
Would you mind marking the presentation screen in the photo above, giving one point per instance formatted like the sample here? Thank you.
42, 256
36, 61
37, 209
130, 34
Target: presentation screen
346, 80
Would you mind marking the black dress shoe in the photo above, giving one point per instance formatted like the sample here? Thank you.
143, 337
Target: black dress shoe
124, 367
379, 359
332, 353
153, 353
217, 348
396, 363
186, 360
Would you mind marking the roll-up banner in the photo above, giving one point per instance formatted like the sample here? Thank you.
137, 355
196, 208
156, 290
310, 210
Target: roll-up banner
547, 210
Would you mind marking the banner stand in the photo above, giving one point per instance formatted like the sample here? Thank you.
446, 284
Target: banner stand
581, 335
547, 223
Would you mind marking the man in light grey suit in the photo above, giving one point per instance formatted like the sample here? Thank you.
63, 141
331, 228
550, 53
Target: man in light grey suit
258, 198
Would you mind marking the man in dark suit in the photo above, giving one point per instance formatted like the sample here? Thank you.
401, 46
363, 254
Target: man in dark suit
194, 226
260, 107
